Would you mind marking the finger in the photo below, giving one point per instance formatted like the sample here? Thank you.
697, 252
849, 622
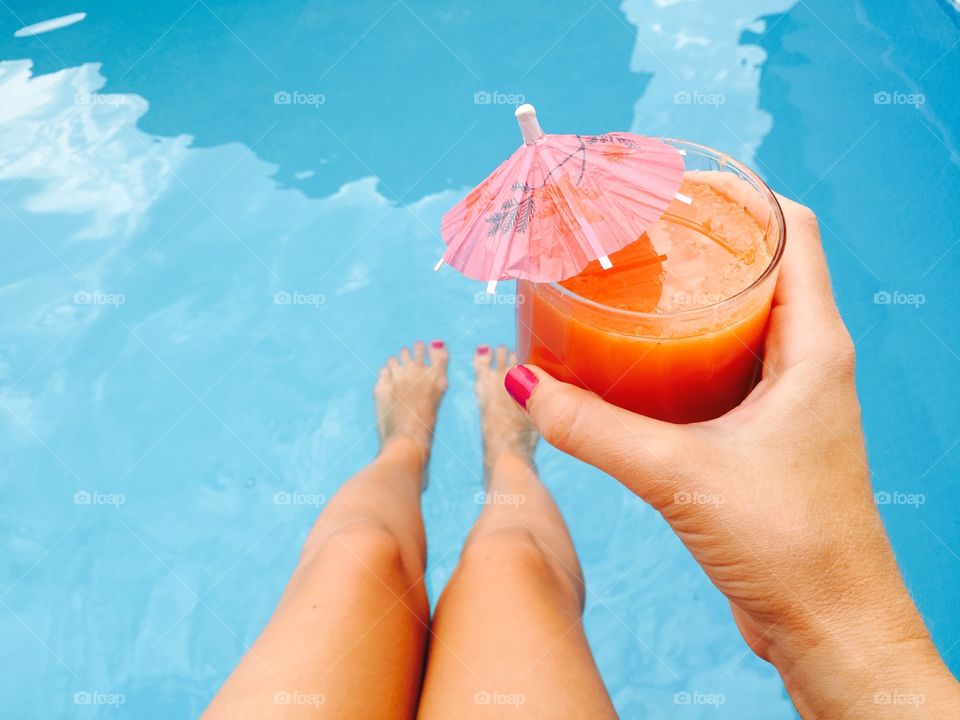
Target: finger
804, 279
806, 330
805, 321
637, 450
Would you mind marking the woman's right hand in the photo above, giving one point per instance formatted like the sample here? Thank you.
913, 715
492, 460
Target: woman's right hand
774, 501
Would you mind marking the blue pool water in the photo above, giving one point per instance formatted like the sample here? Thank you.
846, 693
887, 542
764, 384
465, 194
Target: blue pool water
157, 197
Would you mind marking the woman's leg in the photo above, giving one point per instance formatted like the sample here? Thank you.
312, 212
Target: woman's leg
348, 637
507, 634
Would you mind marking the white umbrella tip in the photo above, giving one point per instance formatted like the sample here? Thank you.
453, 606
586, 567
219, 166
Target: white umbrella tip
529, 127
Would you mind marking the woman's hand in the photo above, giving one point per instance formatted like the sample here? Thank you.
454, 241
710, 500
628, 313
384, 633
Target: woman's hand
774, 501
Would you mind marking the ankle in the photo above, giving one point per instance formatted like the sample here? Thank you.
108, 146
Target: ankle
403, 447
507, 462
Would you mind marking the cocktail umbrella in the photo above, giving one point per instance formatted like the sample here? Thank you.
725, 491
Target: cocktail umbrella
559, 202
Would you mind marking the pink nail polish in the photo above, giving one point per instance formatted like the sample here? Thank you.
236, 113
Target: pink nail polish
437, 344
483, 350
520, 383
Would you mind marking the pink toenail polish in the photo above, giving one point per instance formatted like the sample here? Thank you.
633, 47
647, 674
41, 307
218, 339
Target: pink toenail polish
520, 383
438, 344
483, 350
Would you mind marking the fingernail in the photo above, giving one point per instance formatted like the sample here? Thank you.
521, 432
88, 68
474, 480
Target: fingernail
438, 344
520, 383
483, 350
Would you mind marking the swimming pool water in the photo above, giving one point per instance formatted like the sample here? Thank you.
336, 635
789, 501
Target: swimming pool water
219, 217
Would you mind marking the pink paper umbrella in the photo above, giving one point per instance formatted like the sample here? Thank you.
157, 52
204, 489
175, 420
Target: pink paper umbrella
559, 202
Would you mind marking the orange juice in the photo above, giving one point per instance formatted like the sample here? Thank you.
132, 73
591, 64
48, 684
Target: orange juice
675, 329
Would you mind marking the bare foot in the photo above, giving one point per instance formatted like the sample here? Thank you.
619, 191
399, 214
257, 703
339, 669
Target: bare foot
408, 393
503, 426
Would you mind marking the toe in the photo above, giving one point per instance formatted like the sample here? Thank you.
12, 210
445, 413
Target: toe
383, 381
418, 352
405, 356
438, 354
501, 356
392, 364
482, 358
512, 361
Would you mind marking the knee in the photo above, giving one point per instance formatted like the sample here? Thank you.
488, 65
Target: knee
362, 550
516, 554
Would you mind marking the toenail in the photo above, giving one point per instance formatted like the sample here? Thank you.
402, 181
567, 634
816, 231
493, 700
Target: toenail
520, 382
483, 350
438, 344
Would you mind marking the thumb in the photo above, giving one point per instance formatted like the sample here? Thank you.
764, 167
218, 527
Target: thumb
638, 451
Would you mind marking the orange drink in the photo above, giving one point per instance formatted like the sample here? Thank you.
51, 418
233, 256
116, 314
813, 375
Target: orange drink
675, 328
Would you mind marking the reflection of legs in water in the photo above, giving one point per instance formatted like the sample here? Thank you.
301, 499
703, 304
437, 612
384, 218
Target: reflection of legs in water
348, 637
507, 634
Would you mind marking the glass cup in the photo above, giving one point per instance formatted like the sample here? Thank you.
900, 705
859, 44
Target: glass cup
680, 365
